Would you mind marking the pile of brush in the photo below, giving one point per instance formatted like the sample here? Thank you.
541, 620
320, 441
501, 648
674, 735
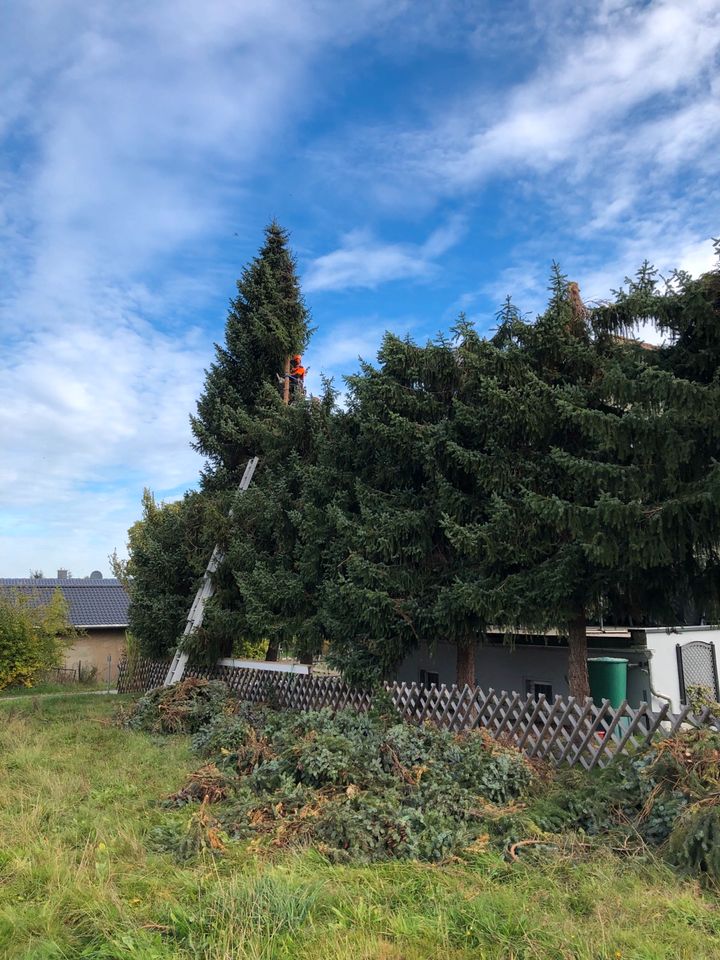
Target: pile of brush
360, 787
184, 707
365, 787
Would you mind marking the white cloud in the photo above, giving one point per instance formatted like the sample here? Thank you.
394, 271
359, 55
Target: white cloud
568, 108
617, 126
128, 132
363, 261
79, 404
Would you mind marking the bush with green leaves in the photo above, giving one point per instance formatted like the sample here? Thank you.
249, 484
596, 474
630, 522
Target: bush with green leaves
34, 636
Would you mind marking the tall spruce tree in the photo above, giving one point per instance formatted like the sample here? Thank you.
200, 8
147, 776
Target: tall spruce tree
267, 322
240, 414
681, 386
170, 546
532, 387
399, 581
278, 538
586, 448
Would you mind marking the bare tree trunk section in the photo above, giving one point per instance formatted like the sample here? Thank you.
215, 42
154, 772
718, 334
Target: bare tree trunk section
273, 651
465, 669
286, 388
578, 680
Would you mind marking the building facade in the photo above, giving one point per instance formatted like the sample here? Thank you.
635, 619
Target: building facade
662, 662
98, 609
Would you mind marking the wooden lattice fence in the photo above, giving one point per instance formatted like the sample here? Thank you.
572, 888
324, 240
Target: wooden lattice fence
561, 731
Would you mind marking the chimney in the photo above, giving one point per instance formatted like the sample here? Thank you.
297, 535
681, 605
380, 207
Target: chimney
62, 575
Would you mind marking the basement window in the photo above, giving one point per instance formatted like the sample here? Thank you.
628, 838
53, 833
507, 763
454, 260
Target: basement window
539, 687
427, 679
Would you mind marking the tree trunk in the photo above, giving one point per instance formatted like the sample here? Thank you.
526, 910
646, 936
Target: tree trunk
273, 650
286, 389
307, 658
465, 670
578, 680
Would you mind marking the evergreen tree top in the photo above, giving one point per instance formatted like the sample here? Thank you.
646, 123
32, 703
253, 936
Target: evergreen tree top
267, 322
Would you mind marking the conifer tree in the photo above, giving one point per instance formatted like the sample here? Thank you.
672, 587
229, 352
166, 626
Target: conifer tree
399, 580
168, 549
241, 414
278, 538
586, 448
531, 382
681, 387
267, 322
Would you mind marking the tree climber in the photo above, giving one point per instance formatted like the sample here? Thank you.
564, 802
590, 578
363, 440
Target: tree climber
297, 374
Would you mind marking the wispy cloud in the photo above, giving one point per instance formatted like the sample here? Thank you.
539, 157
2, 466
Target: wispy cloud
361, 260
133, 140
128, 133
616, 129
587, 97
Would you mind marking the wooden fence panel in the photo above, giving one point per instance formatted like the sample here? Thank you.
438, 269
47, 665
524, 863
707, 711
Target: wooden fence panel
562, 732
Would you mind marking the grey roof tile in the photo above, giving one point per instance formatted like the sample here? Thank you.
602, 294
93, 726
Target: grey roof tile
92, 603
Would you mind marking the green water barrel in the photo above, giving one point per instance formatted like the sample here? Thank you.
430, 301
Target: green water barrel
608, 679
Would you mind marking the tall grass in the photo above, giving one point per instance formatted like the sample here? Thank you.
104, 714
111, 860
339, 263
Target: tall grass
77, 879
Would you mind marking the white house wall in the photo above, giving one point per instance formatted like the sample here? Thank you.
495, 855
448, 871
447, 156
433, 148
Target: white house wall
662, 644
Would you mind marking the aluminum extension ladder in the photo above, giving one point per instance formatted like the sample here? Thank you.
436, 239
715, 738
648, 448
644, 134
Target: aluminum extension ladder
205, 591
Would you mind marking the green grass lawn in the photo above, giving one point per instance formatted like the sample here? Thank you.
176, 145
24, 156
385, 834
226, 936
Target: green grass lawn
41, 689
77, 881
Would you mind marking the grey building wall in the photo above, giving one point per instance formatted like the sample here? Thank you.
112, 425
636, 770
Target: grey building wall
518, 668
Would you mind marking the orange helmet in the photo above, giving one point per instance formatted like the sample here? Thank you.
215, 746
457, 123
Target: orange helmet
297, 358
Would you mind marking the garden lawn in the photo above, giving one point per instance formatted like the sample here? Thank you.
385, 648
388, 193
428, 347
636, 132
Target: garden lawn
76, 880
44, 689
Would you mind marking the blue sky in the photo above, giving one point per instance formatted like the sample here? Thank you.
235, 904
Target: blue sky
428, 156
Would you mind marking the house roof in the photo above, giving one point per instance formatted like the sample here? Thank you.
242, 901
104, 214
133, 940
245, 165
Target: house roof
92, 603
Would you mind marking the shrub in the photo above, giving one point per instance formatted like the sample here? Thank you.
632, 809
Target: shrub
33, 636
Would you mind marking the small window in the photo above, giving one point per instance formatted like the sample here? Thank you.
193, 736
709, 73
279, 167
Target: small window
539, 687
427, 679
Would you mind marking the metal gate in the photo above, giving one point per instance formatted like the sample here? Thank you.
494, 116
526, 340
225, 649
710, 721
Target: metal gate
697, 667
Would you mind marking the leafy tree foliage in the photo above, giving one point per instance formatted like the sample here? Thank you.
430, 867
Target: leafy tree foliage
167, 553
33, 636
